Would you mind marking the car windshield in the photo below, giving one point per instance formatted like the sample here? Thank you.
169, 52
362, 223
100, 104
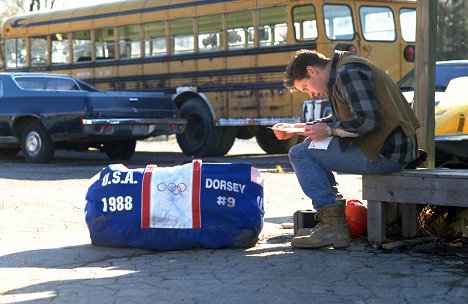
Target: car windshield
444, 73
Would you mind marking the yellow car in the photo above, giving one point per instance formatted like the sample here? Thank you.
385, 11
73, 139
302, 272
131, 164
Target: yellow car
451, 109
451, 131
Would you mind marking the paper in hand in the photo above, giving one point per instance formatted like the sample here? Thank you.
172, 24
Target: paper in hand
320, 144
288, 129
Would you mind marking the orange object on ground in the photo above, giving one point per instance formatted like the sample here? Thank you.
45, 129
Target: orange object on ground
356, 215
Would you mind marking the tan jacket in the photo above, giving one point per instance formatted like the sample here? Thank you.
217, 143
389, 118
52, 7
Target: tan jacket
394, 109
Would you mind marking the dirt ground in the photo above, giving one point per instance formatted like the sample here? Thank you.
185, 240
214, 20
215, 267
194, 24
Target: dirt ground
58, 190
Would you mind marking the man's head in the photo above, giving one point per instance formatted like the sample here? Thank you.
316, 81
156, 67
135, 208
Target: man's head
307, 72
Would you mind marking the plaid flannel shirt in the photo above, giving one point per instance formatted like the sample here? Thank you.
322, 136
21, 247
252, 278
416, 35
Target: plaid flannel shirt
354, 83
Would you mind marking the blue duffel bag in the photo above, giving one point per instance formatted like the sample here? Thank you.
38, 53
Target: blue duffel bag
196, 205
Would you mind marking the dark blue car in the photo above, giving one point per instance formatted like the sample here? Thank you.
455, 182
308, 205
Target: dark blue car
40, 113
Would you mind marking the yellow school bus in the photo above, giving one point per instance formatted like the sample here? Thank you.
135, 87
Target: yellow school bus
222, 60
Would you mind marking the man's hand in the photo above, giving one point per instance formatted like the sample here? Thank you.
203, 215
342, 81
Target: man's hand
317, 131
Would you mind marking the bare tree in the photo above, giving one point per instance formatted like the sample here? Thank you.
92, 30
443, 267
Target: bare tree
452, 29
36, 4
11, 7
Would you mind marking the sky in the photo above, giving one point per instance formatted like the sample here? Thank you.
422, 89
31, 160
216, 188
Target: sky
74, 3
59, 4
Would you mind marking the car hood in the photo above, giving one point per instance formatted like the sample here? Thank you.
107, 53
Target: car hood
452, 110
409, 95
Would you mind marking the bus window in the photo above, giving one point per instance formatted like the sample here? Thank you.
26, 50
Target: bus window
272, 28
129, 41
240, 29
408, 24
377, 23
39, 51
81, 46
15, 53
104, 43
59, 50
155, 39
338, 22
181, 35
210, 30
305, 23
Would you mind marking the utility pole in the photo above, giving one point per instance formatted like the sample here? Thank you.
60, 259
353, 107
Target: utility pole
424, 76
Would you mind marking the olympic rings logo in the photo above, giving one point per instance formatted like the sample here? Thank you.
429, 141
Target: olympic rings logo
171, 188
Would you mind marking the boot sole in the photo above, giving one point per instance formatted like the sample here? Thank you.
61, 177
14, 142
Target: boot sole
336, 245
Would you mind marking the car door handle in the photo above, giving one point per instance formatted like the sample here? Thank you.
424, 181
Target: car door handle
133, 99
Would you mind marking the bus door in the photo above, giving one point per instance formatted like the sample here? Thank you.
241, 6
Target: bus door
407, 22
379, 41
366, 29
339, 26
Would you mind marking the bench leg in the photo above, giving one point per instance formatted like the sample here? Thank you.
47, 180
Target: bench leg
376, 222
409, 220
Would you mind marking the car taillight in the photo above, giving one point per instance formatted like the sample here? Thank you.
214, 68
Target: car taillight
409, 53
461, 123
352, 49
346, 47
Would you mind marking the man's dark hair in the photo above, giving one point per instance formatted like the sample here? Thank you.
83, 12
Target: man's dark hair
297, 67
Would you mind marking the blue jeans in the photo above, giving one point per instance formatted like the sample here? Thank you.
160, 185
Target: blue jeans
314, 168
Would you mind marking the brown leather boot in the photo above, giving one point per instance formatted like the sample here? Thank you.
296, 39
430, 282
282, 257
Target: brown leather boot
332, 230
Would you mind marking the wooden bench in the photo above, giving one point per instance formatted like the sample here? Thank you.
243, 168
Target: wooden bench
445, 187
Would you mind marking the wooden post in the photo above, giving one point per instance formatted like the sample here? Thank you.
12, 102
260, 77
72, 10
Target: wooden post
424, 76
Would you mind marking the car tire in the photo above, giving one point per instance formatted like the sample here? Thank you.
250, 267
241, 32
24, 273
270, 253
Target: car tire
36, 144
120, 150
267, 140
201, 137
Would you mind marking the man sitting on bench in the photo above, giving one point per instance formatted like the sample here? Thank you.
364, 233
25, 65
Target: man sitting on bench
371, 131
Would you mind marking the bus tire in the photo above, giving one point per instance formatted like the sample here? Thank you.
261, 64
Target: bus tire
246, 132
201, 137
227, 141
119, 150
267, 140
36, 144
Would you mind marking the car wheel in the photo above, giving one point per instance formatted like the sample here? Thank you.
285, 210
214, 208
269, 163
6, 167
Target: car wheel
120, 150
267, 140
200, 137
36, 144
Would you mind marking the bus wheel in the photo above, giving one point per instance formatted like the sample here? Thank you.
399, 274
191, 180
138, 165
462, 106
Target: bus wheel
120, 150
227, 140
200, 137
246, 132
36, 144
267, 140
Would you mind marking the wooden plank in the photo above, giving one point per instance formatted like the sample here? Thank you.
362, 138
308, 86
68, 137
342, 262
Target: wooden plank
447, 173
416, 190
409, 220
376, 222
